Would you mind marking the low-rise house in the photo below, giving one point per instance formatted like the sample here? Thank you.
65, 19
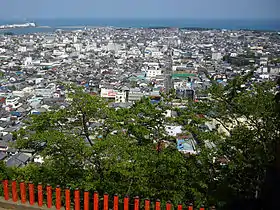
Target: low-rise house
44, 92
13, 103
135, 95
19, 160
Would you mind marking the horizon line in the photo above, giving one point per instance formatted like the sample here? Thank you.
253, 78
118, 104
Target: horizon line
144, 18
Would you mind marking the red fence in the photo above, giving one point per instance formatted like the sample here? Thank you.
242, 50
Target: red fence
10, 189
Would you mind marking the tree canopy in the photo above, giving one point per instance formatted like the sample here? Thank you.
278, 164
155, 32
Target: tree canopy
93, 146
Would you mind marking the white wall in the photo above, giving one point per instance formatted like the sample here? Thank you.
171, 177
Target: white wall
173, 130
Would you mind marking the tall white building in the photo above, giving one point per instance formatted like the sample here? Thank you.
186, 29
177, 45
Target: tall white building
121, 97
217, 56
28, 61
154, 72
113, 46
22, 49
78, 47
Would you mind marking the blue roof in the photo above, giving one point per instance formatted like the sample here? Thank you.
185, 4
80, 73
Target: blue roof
155, 101
185, 145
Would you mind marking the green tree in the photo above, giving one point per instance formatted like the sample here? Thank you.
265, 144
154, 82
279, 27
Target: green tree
129, 158
64, 137
125, 160
143, 121
245, 134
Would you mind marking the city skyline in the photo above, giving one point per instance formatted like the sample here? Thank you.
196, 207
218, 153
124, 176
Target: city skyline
144, 9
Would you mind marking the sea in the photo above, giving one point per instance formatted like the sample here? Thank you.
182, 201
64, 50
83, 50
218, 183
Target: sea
50, 25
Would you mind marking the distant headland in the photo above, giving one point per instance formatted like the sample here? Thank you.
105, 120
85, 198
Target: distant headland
13, 26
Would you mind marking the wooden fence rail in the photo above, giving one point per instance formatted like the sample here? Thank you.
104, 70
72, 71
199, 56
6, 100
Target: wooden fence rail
30, 195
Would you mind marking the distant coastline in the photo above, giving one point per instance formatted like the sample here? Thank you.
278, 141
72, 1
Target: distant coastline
50, 25
24, 28
18, 25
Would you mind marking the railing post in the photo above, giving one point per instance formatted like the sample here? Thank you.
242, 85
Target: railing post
147, 204
49, 196
105, 201
58, 197
190, 206
67, 199
202, 208
95, 200
40, 194
86, 200
6, 189
126, 203
14, 191
22, 192
31, 193
180, 207
136, 203
77, 199
116, 202
168, 205
157, 204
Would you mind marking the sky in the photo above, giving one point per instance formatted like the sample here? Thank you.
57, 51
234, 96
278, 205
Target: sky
139, 9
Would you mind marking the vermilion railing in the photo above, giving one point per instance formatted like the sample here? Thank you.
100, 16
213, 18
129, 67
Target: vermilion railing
11, 188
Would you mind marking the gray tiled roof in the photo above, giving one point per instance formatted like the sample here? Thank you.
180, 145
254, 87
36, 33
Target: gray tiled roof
18, 160
3, 155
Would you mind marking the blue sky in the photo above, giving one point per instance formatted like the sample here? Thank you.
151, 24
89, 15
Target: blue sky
192, 9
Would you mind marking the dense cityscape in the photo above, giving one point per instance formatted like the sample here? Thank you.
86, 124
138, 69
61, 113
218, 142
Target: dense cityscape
123, 65
153, 86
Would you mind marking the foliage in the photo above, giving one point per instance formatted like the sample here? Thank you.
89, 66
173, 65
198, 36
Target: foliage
93, 146
118, 156
275, 61
246, 136
240, 60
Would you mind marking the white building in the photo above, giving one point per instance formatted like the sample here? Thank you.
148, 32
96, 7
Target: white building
153, 52
113, 46
263, 61
157, 54
151, 73
78, 47
56, 95
39, 80
13, 102
58, 52
173, 130
176, 52
18, 93
28, 91
108, 93
121, 97
44, 92
217, 56
28, 61
2, 50
135, 95
22, 49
